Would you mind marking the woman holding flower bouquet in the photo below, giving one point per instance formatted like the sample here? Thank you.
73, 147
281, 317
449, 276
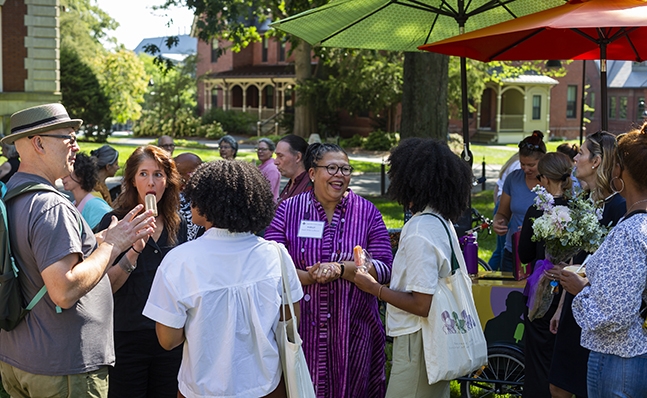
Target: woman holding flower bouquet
517, 196
555, 176
607, 302
593, 167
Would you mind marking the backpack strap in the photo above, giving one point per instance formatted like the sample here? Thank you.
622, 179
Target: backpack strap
15, 192
454, 260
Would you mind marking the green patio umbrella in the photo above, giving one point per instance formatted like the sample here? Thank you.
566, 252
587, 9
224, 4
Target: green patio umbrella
403, 25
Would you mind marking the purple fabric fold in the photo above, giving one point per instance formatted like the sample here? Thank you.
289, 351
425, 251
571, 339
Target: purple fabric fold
533, 280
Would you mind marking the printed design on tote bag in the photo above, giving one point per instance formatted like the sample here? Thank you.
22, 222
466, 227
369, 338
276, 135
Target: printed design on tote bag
457, 324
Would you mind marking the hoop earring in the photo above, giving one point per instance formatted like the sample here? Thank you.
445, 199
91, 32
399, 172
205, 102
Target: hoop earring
612, 185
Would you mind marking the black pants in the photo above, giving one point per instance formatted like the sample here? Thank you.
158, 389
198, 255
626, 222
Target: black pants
143, 368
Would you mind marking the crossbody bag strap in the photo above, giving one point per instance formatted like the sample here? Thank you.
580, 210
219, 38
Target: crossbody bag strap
287, 293
454, 260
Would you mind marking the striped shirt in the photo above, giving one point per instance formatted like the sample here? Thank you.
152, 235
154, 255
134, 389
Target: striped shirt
343, 337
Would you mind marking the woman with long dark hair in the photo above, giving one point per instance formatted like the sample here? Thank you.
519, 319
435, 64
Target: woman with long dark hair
143, 368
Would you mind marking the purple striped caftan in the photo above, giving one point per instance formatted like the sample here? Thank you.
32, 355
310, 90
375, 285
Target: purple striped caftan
343, 337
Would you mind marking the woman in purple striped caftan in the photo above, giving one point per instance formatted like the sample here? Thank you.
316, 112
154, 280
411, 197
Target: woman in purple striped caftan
343, 337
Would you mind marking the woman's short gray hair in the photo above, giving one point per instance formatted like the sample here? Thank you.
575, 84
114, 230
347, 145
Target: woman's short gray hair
270, 143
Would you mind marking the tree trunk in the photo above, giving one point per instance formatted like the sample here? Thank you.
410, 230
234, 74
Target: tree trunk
304, 114
424, 96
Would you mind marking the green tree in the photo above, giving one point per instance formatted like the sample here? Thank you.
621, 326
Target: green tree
82, 94
356, 81
124, 82
119, 72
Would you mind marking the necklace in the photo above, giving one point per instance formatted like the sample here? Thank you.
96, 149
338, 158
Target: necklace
635, 203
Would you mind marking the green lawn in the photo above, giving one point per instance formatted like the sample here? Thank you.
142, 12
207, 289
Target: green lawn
393, 216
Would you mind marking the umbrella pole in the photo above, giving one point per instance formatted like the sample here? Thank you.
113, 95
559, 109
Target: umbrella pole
467, 154
583, 98
603, 86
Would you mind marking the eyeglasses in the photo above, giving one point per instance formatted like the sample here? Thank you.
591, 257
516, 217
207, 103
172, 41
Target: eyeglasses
332, 169
70, 137
167, 146
262, 149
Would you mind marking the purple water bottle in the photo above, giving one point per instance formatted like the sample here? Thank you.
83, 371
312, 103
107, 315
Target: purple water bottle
470, 253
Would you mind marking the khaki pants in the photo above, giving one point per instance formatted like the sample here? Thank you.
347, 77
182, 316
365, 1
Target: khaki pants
21, 384
409, 373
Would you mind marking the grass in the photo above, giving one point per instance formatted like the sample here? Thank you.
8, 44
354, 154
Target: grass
393, 216
499, 154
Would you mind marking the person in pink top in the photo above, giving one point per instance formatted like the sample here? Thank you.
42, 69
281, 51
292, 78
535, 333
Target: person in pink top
264, 151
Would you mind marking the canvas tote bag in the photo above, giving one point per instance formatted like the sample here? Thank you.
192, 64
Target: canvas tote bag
457, 344
298, 383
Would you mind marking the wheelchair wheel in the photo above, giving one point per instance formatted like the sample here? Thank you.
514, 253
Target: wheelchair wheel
502, 377
483, 265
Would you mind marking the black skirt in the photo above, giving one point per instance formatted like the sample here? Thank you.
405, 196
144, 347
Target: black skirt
569, 365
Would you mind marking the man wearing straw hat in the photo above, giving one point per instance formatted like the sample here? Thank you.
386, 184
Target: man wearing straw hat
59, 353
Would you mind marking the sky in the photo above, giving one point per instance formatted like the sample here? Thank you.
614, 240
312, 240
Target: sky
137, 20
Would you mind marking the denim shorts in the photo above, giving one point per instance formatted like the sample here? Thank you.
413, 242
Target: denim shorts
613, 376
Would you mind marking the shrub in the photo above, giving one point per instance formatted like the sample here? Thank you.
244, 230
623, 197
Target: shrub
355, 141
183, 124
455, 143
381, 141
233, 122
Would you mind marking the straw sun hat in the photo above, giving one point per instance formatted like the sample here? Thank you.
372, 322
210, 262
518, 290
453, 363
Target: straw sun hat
39, 119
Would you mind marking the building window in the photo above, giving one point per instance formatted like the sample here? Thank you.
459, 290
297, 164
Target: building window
265, 47
622, 112
282, 50
571, 102
612, 107
641, 108
536, 107
591, 104
214, 97
215, 50
268, 92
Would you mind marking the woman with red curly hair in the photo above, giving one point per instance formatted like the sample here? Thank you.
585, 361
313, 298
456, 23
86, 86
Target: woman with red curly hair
143, 368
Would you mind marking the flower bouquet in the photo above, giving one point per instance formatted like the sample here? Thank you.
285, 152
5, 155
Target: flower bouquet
565, 230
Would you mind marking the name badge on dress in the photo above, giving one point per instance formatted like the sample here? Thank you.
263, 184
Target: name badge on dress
311, 229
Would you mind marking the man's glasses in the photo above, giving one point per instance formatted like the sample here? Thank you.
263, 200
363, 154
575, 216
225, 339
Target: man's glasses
332, 169
70, 137
167, 146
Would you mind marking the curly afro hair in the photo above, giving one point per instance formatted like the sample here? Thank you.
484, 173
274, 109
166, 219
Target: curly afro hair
425, 172
232, 195
86, 171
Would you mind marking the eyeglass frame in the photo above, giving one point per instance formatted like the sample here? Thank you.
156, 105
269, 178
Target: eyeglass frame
73, 139
263, 149
337, 169
167, 146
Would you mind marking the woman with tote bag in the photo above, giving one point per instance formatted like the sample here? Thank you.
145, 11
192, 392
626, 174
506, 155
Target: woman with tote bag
430, 311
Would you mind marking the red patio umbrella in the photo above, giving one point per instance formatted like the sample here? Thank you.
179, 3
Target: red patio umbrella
580, 29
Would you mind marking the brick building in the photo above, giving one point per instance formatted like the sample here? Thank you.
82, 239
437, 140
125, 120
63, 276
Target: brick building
29, 56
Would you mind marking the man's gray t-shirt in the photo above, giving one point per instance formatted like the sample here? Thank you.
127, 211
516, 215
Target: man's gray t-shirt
43, 230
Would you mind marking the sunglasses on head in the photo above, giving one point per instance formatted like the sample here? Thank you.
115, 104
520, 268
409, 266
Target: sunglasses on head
530, 146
